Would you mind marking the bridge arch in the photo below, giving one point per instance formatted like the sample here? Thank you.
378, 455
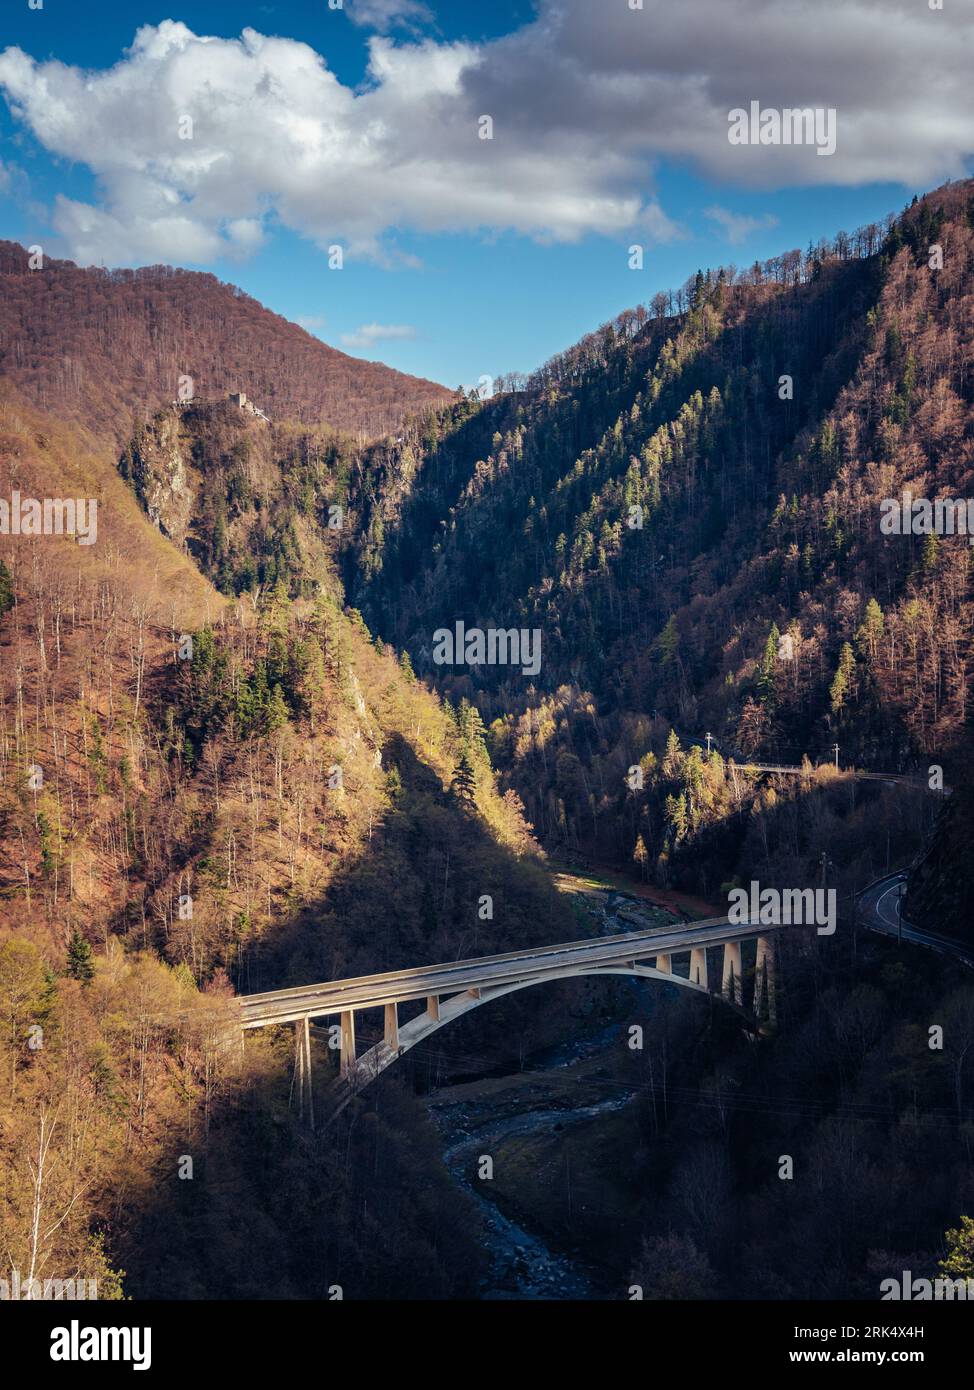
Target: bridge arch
361, 1071
453, 989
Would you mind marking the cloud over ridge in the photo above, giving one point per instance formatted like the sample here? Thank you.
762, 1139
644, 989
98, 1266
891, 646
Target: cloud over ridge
584, 101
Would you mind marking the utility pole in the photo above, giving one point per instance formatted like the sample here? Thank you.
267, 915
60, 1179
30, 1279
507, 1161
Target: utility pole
899, 916
710, 739
835, 750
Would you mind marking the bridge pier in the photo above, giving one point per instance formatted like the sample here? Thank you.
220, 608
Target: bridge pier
698, 966
453, 988
306, 1041
302, 1069
346, 1061
297, 1083
730, 986
764, 981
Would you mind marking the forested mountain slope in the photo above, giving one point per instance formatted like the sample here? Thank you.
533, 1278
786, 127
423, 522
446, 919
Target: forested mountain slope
688, 508
200, 795
103, 347
940, 890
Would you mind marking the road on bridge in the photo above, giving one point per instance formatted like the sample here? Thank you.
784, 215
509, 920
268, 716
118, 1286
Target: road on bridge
454, 988
543, 962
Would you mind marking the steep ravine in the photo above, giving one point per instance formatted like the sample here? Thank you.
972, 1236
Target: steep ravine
483, 1119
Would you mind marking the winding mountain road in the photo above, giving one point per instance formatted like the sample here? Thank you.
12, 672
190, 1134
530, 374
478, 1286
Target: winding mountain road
880, 909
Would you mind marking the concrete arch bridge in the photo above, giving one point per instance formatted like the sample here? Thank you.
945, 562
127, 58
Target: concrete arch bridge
451, 990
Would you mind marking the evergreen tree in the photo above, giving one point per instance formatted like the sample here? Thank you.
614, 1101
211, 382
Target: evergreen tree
311, 680
839, 689
277, 711
464, 784
96, 756
693, 771
472, 732
870, 631
676, 814
928, 559
669, 641
6, 590
766, 684
672, 757
80, 966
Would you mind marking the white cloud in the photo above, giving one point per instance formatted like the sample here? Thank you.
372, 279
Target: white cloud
311, 323
246, 234
736, 226
371, 333
384, 15
585, 100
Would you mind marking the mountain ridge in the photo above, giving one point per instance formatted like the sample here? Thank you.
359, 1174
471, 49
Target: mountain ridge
106, 346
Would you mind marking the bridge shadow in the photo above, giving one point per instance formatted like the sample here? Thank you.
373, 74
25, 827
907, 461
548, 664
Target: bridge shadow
379, 1213
414, 895
434, 884
378, 1210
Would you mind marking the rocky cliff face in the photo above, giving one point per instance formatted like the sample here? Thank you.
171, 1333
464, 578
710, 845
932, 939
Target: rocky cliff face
940, 893
157, 466
248, 500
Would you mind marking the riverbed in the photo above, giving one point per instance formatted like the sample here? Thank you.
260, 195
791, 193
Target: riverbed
560, 1092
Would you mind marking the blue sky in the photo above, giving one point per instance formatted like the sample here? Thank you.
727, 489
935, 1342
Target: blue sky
464, 257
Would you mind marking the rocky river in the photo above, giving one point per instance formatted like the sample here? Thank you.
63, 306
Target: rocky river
560, 1092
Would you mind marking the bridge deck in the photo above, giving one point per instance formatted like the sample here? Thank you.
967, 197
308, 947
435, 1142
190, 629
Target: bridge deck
543, 962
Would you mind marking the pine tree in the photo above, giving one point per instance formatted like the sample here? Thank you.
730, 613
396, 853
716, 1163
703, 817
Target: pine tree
473, 734
464, 784
6, 590
80, 966
928, 559
839, 688
311, 680
672, 757
676, 814
693, 771
277, 711
669, 641
870, 631
96, 757
767, 688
